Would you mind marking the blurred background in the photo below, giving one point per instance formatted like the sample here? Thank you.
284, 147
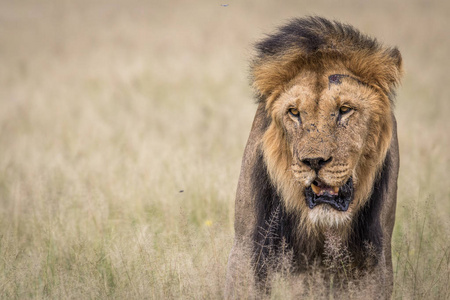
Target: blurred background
122, 128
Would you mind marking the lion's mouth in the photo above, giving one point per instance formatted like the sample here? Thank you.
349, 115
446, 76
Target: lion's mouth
338, 198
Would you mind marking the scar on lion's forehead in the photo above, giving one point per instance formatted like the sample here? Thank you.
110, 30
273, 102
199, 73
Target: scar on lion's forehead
337, 79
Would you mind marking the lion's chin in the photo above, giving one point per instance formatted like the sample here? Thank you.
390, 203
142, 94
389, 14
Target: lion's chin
323, 216
335, 198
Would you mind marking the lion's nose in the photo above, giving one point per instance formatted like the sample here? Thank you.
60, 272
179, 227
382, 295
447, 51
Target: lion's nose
316, 163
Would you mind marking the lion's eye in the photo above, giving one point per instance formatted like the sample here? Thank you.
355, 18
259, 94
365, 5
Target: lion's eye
344, 110
294, 112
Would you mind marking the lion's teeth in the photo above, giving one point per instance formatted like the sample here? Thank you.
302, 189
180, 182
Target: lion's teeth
336, 189
315, 188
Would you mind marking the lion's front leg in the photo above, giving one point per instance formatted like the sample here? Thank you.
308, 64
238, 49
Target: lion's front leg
240, 281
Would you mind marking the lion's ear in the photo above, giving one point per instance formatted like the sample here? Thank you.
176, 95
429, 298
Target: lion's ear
397, 57
397, 61
397, 72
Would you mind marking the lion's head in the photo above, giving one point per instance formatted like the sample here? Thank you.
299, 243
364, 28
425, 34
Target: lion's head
327, 92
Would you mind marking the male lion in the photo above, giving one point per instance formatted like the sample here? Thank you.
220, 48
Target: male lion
321, 162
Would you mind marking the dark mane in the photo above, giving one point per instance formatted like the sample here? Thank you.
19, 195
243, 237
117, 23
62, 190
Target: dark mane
313, 34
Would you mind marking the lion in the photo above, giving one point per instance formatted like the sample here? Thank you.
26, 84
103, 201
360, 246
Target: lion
322, 158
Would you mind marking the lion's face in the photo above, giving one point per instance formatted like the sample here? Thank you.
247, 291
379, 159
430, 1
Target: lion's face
328, 137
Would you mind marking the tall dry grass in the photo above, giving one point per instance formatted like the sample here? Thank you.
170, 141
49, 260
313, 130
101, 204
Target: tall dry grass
122, 125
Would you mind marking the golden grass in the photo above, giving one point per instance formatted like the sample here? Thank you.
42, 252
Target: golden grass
122, 125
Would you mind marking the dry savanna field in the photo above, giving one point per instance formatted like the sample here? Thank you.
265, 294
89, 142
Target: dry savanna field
122, 127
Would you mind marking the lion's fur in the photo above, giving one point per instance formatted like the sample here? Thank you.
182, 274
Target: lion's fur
293, 68
313, 42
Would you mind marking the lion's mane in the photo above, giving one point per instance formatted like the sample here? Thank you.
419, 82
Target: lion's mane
316, 43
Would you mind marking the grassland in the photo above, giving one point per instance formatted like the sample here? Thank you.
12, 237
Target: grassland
122, 126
